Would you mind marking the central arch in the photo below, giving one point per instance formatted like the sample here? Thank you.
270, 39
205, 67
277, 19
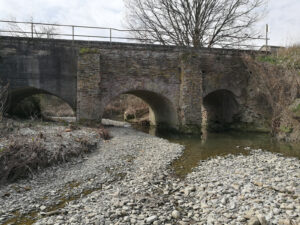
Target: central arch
220, 110
162, 111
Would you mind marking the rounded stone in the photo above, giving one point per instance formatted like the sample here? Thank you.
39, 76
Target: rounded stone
175, 214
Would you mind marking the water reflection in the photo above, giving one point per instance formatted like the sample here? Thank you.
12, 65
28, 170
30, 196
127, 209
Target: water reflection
217, 144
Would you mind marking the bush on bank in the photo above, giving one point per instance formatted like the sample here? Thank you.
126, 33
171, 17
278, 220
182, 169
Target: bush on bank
33, 148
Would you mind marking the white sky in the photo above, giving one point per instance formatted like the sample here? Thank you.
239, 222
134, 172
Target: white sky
283, 15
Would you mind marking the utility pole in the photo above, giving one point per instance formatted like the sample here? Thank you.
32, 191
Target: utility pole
267, 31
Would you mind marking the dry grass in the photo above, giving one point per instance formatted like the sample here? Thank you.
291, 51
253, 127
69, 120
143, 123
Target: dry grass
20, 159
104, 134
53, 106
26, 153
60, 111
277, 76
290, 57
287, 57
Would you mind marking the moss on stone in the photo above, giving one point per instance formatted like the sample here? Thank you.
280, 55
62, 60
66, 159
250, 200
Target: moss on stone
185, 57
2, 149
83, 51
263, 127
286, 129
190, 129
296, 110
88, 122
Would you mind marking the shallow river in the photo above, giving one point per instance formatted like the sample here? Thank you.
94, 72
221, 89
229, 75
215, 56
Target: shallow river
217, 144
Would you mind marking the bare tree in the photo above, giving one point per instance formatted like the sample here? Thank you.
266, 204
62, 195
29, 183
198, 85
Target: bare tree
198, 23
3, 99
23, 30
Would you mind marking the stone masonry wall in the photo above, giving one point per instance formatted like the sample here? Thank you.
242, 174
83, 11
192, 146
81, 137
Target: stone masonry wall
149, 75
190, 93
172, 80
88, 85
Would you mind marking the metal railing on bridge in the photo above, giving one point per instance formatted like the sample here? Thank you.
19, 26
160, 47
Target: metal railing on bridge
94, 33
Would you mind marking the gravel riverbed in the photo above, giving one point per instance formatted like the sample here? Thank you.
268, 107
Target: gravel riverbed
128, 180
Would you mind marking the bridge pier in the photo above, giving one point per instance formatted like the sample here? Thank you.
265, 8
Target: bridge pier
89, 106
190, 100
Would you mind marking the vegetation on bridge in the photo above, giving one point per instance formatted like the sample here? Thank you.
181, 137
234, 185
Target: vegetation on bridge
83, 51
286, 57
284, 65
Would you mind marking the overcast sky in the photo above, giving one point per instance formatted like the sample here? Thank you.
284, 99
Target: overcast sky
283, 15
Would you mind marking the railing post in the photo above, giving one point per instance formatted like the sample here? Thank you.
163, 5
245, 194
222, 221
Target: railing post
31, 29
72, 34
110, 37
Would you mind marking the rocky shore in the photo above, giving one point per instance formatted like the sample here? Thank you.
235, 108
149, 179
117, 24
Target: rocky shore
128, 180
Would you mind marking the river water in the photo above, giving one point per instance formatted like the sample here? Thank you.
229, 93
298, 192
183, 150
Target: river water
219, 144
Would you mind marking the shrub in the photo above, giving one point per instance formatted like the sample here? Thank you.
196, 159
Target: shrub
104, 133
30, 108
286, 57
285, 129
3, 98
19, 159
22, 157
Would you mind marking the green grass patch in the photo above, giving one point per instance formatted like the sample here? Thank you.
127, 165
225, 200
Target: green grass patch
268, 59
296, 110
83, 51
285, 129
286, 57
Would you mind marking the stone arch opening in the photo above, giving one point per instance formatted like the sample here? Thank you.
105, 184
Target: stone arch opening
162, 113
220, 110
127, 107
32, 102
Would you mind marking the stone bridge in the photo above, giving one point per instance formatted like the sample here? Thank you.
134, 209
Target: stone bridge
181, 85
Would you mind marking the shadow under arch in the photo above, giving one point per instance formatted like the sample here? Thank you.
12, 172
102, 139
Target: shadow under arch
162, 111
18, 94
220, 110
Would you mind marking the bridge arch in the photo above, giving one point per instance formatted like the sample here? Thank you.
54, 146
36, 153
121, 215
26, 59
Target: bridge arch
17, 95
162, 111
220, 110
